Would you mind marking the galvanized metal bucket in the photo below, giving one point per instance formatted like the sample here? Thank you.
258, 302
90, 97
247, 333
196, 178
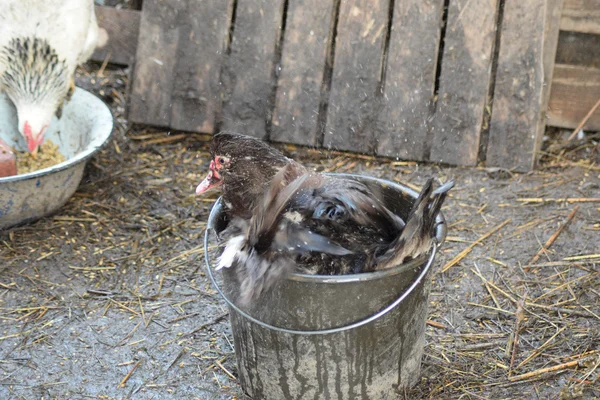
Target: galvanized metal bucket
333, 337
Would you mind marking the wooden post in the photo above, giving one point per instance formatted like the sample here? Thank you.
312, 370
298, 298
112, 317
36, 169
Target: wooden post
354, 97
409, 79
464, 81
248, 75
525, 63
306, 45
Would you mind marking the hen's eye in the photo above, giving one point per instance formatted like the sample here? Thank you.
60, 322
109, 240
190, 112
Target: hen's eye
221, 160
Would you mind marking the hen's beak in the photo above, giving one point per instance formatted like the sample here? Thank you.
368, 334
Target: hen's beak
34, 146
33, 143
212, 180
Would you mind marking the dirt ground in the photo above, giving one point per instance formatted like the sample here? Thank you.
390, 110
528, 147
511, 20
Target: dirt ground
108, 298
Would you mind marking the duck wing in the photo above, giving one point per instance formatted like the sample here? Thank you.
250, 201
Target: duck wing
418, 235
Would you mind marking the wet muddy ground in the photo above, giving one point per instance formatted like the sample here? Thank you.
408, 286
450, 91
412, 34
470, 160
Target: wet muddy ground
108, 298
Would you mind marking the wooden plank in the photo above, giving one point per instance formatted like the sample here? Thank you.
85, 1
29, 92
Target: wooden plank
574, 92
553, 14
410, 79
130, 4
354, 97
522, 82
581, 16
122, 27
464, 81
150, 97
248, 75
203, 31
576, 48
303, 62
136, 4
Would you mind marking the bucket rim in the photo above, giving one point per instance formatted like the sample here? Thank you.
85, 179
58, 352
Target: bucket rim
375, 316
441, 231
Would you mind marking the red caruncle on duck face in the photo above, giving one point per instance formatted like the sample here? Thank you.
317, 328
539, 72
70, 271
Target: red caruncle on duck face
214, 178
220, 162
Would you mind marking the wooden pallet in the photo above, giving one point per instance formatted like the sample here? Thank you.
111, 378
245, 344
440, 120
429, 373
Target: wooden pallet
522, 82
576, 82
122, 27
375, 76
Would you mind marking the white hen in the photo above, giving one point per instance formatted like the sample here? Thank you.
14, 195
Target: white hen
41, 43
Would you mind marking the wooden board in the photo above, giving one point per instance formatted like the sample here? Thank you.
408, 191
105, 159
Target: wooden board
574, 92
178, 61
354, 98
150, 99
248, 75
307, 40
522, 82
576, 48
581, 16
196, 96
122, 27
410, 79
130, 4
136, 4
464, 81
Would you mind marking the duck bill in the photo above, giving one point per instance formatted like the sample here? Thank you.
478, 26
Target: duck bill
212, 180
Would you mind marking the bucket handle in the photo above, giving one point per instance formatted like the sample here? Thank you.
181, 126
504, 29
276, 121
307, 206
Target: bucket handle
343, 328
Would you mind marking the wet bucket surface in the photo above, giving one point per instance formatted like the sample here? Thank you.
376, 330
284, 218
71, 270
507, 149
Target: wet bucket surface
333, 337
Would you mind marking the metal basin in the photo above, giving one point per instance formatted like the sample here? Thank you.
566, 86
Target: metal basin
85, 126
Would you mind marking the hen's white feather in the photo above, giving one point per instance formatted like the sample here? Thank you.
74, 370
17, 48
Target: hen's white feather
41, 44
69, 26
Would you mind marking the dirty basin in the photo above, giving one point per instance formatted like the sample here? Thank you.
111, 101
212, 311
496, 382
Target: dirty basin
86, 125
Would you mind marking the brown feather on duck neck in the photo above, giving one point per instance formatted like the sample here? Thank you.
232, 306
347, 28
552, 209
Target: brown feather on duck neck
252, 164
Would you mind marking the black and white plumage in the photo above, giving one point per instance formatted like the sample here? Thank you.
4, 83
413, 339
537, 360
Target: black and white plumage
41, 43
309, 222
